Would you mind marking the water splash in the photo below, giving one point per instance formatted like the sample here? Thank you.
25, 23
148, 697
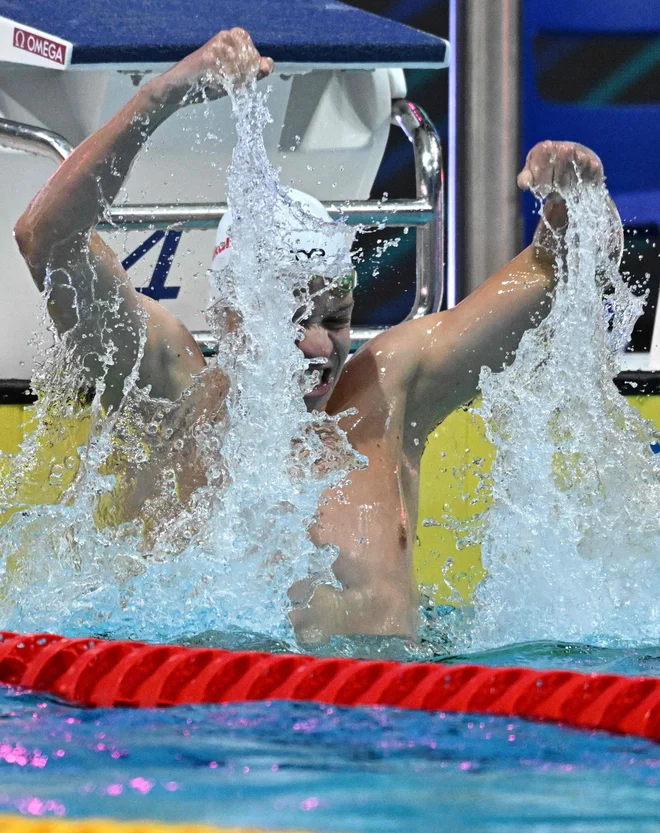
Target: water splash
224, 556
572, 538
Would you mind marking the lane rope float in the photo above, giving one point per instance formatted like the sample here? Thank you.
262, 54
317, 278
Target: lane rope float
101, 673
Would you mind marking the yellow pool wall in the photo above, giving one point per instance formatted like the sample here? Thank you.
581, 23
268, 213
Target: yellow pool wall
456, 454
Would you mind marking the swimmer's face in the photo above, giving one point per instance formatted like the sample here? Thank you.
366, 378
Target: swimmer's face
327, 337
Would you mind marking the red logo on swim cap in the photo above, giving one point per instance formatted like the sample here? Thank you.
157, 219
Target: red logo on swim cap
221, 247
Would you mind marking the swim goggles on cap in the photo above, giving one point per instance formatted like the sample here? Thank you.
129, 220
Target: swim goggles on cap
342, 285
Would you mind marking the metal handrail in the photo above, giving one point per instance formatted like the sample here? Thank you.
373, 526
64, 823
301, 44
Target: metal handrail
32, 139
395, 213
425, 212
430, 189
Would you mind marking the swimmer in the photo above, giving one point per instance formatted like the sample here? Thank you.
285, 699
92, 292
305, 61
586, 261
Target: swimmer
402, 384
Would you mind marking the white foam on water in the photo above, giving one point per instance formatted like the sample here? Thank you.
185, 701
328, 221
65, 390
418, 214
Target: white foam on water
572, 538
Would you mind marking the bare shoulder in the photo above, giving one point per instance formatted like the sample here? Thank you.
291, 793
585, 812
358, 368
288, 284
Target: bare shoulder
367, 378
172, 357
390, 375
381, 373
391, 359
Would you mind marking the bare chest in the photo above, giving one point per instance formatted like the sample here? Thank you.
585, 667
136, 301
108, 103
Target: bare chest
371, 518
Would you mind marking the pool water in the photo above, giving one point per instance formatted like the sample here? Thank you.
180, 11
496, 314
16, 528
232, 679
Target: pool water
319, 767
643, 661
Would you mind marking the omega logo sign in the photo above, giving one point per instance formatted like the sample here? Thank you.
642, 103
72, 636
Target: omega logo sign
39, 45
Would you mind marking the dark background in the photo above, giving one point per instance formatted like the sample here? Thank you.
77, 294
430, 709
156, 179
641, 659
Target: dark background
387, 284
590, 72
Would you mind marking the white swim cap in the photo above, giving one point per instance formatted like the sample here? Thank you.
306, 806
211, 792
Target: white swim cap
330, 248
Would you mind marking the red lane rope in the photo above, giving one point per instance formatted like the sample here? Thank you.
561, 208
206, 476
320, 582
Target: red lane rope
95, 672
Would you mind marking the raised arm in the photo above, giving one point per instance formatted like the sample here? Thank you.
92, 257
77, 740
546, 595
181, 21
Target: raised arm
90, 297
436, 360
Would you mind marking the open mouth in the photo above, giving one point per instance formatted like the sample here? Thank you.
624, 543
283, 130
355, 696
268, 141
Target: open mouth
320, 378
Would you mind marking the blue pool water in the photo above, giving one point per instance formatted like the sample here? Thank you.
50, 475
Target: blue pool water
641, 661
326, 768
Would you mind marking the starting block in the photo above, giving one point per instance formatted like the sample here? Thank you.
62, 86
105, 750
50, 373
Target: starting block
338, 84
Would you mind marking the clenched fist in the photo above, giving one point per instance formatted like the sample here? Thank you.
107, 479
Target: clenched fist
553, 167
228, 61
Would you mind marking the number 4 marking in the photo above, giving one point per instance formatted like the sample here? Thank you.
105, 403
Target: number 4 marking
156, 288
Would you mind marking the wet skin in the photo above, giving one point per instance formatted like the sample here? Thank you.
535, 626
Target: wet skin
327, 340
402, 384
